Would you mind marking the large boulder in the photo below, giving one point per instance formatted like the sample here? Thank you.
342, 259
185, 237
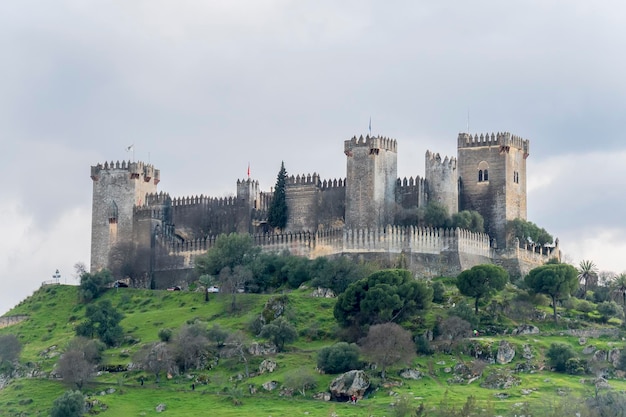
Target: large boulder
348, 384
506, 352
323, 293
525, 329
267, 365
500, 379
411, 374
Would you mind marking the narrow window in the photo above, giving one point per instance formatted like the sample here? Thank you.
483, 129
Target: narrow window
480, 175
486, 175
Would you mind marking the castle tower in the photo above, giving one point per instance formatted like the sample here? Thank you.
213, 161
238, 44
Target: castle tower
492, 172
370, 181
248, 199
117, 189
442, 181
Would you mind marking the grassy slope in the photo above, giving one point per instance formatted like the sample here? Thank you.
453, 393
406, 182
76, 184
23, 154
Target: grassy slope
54, 311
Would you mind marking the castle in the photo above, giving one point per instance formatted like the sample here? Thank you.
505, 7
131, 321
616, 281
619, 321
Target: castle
152, 238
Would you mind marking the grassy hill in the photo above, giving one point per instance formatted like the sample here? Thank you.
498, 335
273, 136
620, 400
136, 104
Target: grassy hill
54, 311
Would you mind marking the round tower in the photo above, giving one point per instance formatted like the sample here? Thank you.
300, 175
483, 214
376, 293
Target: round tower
442, 181
492, 172
117, 189
372, 170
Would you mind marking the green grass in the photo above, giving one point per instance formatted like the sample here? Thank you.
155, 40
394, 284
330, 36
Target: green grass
54, 311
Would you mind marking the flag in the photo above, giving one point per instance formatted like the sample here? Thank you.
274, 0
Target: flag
130, 148
370, 125
248, 169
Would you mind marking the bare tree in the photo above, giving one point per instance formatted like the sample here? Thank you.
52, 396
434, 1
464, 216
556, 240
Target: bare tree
156, 358
233, 280
191, 346
236, 343
388, 344
75, 369
300, 379
452, 330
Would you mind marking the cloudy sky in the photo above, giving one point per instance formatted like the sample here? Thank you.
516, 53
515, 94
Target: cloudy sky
202, 88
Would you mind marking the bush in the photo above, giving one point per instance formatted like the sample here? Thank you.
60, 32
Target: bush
165, 335
438, 292
423, 345
338, 358
558, 354
70, 404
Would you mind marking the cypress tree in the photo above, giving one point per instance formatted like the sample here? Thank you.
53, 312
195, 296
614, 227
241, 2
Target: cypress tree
277, 214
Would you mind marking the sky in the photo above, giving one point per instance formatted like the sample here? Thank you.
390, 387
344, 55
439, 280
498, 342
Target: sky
204, 88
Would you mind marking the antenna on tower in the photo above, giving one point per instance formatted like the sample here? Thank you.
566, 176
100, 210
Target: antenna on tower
468, 120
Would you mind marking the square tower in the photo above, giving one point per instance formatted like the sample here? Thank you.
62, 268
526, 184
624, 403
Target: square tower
492, 179
372, 171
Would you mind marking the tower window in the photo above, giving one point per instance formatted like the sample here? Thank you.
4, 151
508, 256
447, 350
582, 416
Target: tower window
483, 171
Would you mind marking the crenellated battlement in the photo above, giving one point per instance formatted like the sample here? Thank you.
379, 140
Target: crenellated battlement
371, 142
434, 159
203, 200
501, 139
410, 182
155, 199
334, 183
135, 169
304, 179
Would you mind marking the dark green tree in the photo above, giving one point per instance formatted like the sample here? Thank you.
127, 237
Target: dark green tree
470, 220
482, 281
558, 355
338, 358
228, 251
70, 404
435, 215
555, 280
280, 332
277, 213
384, 296
102, 320
528, 232
93, 285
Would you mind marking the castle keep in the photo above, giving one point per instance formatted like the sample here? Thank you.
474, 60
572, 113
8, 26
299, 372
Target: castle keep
153, 238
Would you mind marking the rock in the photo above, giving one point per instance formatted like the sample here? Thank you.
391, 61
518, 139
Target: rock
267, 365
274, 308
256, 349
323, 293
588, 350
525, 329
447, 369
270, 385
602, 383
506, 352
348, 384
582, 340
160, 408
411, 374
599, 356
500, 379
324, 396
614, 355
527, 352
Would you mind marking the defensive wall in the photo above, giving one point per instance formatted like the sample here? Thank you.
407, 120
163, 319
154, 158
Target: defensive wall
427, 252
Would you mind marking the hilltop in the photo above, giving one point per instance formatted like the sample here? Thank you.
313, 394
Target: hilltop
523, 384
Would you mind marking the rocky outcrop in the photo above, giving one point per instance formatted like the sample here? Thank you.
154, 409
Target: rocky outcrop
500, 379
323, 293
506, 352
348, 384
525, 329
411, 374
267, 365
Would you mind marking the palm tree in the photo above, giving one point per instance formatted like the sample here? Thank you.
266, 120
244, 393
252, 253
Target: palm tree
587, 275
619, 289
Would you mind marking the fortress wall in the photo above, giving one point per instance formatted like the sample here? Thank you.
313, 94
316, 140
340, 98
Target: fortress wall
411, 192
332, 204
199, 216
302, 198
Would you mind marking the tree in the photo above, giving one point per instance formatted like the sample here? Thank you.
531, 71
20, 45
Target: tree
338, 358
555, 280
156, 358
218, 335
191, 346
453, 329
75, 368
277, 213
469, 220
608, 309
587, 275
388, 344
228, 251
279, 332
237, 342
619, 289
558, 355
70, 404
300, 379
436, 215
482, 281
384, 296
232, 281
528, 232
102, 321
93, 285
10, 348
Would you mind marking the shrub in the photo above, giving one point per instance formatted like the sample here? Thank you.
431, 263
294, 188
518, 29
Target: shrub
70, 404
165, 335
558, 354
338, 358
438, 292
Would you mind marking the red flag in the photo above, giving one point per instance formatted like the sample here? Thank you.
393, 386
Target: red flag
248, 169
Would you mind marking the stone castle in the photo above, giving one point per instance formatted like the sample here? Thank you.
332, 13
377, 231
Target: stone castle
152, 238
